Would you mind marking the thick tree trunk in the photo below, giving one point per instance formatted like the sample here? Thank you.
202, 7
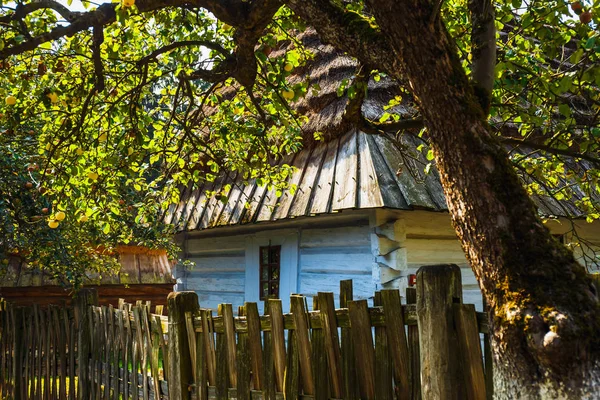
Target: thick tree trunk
544, 313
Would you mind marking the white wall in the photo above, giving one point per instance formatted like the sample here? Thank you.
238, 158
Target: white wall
219, 272
329, 255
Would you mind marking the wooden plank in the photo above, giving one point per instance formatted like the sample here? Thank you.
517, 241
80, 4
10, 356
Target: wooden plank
62, 353
292, 373
383, 359
268, 363
470, 351
319, 358
163, 344
27, 342
243, 364
363, 346
394, 320
278, 341
191, 337
155, 355
18, 350
347, 347
298, 308
96, 348
370, 190
287, 198
127, 349
86, 297
72, 358
106, 338
180, 373
332, 342
201, 367
414, 354
138, 313
121, 373
399, 190
221, 367
226, 310
254, 345
209, 345
303, 196
38, 354
323, 187
438, 288
345, 188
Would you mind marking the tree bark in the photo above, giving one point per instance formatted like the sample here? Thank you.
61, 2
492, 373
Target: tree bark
544, 312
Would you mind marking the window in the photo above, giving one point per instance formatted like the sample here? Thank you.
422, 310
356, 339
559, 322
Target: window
269, 272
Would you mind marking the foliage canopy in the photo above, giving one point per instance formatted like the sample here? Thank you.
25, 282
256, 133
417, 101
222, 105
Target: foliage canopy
108, 111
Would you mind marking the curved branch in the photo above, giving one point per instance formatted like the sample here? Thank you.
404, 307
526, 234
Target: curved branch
233, 12
417, 123
22, 10
184, 43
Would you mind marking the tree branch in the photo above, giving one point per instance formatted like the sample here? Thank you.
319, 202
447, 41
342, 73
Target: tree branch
417, 123
233, 12
22, 10
184, 43
98, 39
550, 149
483, 41
347, 31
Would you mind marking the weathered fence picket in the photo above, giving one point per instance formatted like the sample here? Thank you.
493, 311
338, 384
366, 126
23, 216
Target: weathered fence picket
353, 352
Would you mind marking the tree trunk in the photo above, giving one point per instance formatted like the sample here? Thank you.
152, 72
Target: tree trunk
544, 312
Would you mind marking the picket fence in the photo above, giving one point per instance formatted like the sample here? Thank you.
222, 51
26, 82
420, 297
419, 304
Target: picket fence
429, 347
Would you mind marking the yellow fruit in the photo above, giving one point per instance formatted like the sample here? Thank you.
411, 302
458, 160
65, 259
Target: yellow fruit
102, 138
92, 175
83, 218
288, 94
60, 216
53, 224
53, 97
10, 100
79, 151
128, 3
288, 67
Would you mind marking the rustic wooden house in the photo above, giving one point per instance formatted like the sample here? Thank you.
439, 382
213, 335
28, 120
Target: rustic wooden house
363, 209
144, 275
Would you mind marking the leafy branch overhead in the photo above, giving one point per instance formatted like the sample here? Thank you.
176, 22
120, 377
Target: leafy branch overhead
119, 104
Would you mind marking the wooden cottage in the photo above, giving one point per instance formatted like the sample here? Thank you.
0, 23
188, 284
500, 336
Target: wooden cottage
144, 275
363, 210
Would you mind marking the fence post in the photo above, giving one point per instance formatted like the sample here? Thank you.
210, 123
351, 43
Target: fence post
438, 287
84, 299
180, 374
18, 353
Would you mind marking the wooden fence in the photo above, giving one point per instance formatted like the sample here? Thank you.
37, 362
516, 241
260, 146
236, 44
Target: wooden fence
428, 349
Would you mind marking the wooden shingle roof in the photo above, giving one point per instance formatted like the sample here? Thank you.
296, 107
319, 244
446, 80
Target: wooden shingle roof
355, 171
351, 169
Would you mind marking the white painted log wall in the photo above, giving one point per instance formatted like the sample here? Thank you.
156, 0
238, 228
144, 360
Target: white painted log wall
219, 273
329, 255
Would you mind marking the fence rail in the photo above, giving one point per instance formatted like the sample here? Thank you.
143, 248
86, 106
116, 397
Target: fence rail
390, 350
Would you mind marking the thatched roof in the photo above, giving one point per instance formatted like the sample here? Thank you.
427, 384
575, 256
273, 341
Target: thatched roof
349, 169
